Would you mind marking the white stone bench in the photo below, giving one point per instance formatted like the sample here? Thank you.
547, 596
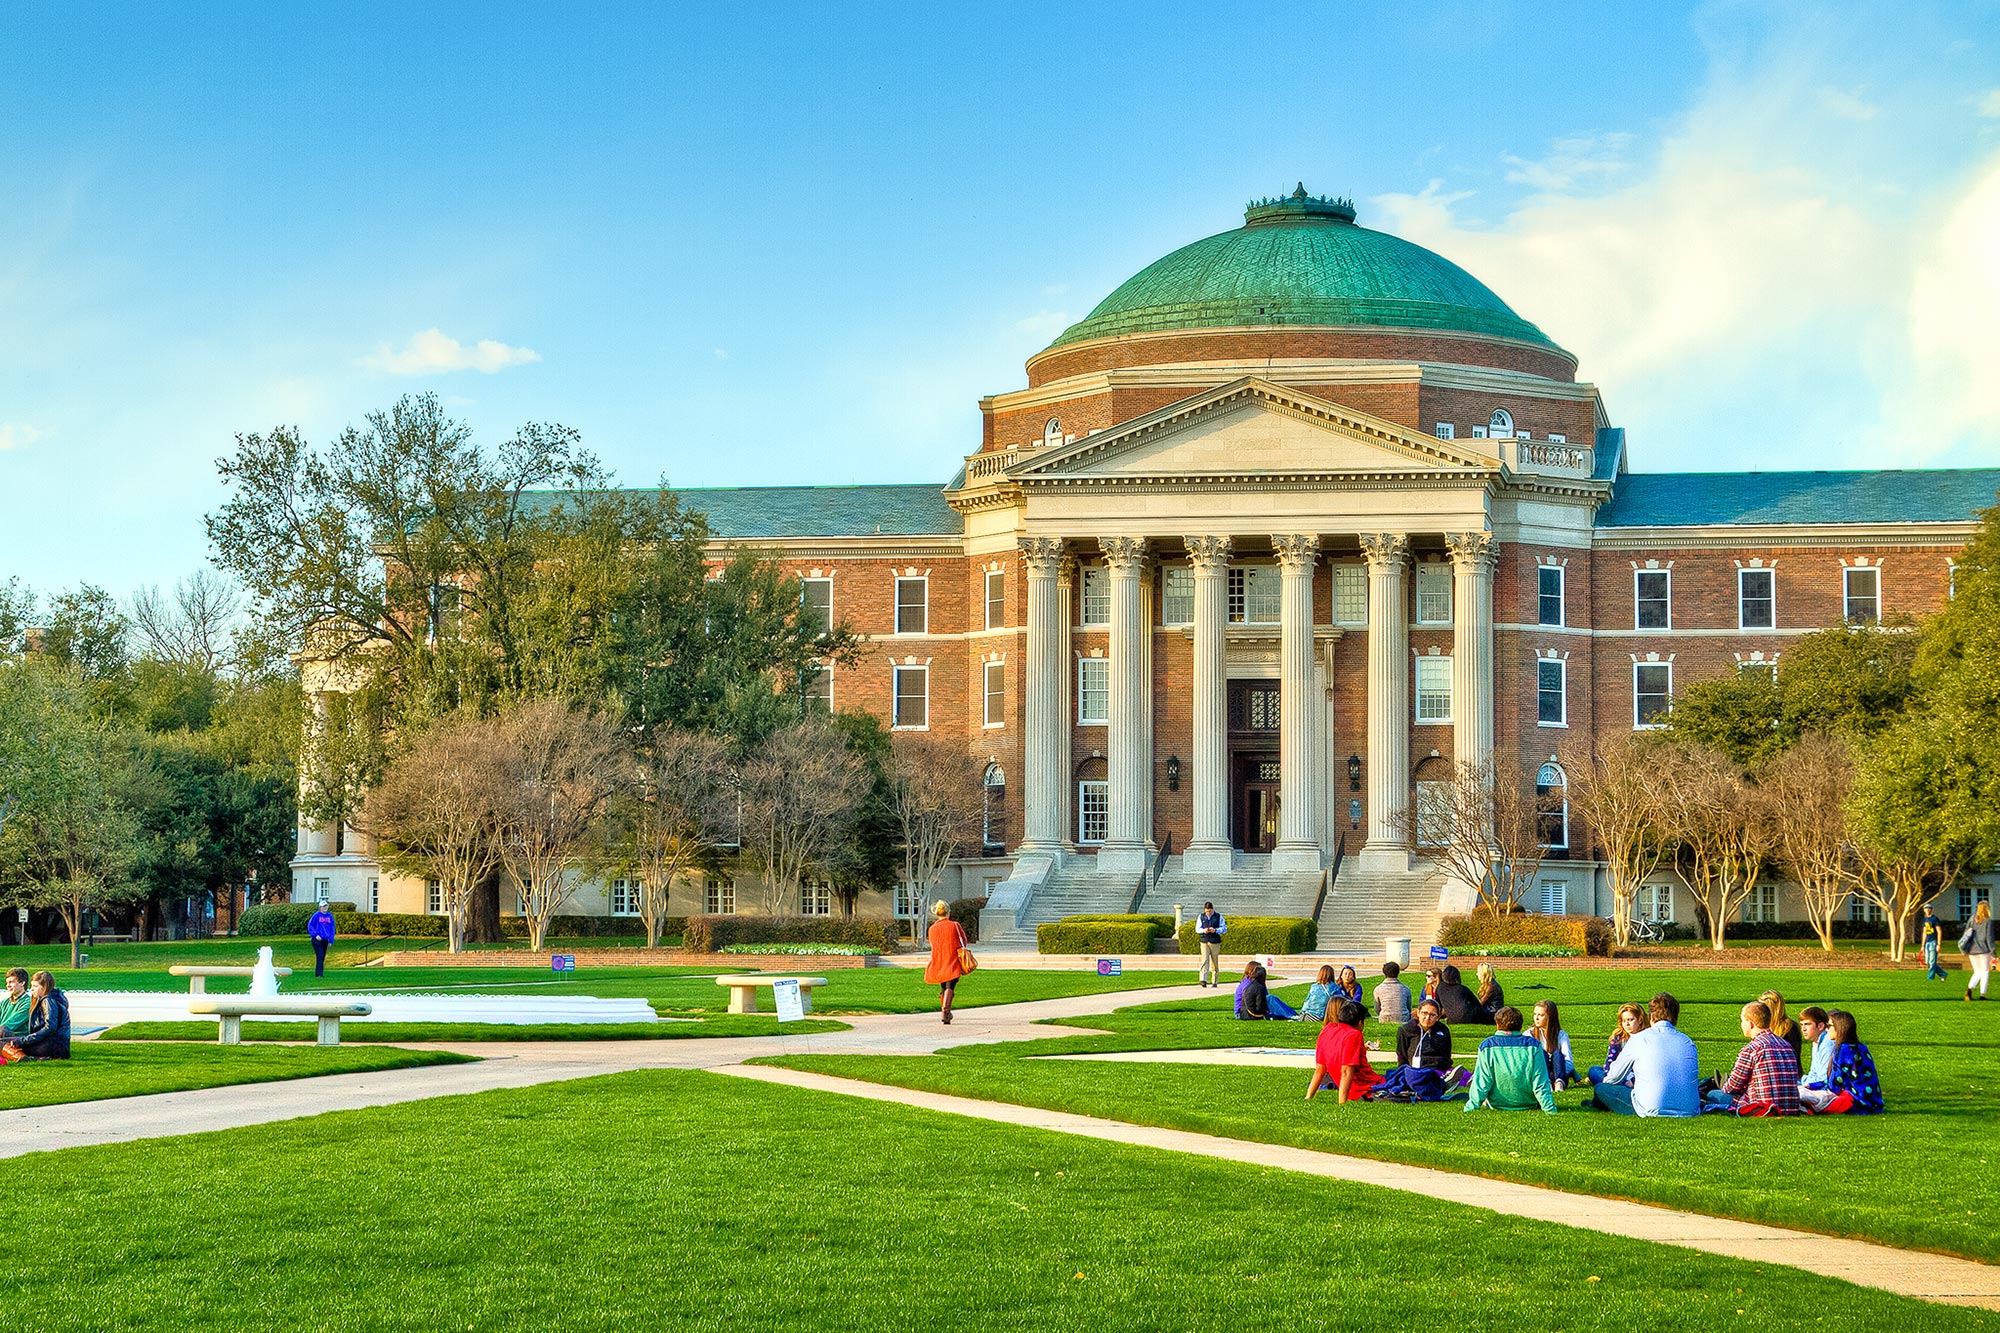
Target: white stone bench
198, 976
743, 991
233, 1009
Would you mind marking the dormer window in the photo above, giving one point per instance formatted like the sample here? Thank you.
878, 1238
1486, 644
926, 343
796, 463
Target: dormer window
1501, 424
1052, 433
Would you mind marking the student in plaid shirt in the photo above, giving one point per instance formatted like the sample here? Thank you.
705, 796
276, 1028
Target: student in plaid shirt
1765, 1080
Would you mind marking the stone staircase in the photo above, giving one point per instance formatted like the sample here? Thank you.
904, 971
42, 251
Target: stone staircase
1367, 906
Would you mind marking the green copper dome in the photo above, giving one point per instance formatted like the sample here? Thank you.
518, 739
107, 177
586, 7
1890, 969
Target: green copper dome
1301, 260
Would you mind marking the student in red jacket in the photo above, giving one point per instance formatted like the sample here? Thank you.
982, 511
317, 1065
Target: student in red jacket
1340, 1057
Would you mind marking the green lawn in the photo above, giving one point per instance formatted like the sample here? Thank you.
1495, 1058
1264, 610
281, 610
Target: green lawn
722, 1025
680, 1200
1895, 1178
97, 1071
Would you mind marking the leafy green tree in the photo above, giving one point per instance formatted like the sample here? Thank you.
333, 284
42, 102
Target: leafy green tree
1739, 715
1850, 680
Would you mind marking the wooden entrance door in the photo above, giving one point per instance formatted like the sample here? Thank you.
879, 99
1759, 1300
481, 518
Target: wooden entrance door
1256, 805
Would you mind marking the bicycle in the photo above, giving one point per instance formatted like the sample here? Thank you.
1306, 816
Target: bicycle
1641, 931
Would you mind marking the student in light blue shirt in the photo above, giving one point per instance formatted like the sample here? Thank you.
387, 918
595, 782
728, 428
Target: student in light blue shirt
1820, 1046
1661, 1065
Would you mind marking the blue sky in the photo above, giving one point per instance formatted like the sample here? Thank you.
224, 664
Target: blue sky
797, 245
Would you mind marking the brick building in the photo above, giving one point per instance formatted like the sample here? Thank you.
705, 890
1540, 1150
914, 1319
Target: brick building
1299, 516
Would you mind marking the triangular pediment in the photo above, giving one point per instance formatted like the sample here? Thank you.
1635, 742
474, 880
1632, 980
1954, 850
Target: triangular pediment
1252, 428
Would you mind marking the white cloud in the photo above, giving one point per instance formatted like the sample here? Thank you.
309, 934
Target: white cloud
1572, 162
432, 353
1953, 293
17, 435
1989, 105
1044, 325
1847, 105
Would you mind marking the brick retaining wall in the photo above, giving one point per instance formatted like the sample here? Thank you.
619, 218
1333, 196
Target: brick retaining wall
721, 962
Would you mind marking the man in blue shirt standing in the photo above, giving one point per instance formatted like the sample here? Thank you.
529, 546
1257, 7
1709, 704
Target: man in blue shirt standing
1665, 1079
320, 931
1208, 928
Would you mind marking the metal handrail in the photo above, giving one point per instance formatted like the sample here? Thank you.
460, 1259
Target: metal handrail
1329, 875
1159, 868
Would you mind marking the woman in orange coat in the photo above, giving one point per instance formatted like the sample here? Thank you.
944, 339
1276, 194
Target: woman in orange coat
947, 939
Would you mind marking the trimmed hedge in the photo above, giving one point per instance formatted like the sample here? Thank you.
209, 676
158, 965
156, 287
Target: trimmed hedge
966, 912
1162, 926
277, 919
1590, 934
708, 934
1259, 934
1518, 951
290, 919
1109, 937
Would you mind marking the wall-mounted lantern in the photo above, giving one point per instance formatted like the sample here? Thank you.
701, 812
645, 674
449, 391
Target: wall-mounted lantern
1354, 772
1173, 772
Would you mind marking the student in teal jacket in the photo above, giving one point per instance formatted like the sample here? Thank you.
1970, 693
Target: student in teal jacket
1512, 1071
14, 1007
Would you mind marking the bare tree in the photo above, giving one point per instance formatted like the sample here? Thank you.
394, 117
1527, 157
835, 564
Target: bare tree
940, 806
677, 800
1900, 883
802, 791
191, 628
1717, 818
435, 813
1487, 831
560, 765
1805, 790
1615, 791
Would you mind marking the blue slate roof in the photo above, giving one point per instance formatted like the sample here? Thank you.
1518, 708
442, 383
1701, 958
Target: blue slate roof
1685, 499
748, 513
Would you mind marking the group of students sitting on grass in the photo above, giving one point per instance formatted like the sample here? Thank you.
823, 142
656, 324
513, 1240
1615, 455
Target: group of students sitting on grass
34, 1019
1649, 1067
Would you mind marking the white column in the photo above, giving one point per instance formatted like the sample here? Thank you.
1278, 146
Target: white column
316, 839
1298, 557
1472, 646
1066, 701
1046, 714
1129, 837
1210, 852
1389, 673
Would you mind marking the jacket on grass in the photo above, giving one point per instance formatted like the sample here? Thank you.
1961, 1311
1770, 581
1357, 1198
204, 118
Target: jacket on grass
1853, 1073
48, 1030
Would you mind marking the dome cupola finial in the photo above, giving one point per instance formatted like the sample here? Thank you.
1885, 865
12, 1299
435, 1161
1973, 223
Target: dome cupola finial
1299, 207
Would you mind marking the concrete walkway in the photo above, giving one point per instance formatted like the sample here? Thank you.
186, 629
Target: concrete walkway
1929, 1277
523, 1064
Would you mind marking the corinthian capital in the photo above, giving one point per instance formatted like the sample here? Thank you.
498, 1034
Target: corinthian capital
1043, 556
1385, 550
1124, 553
1297, 551
1470, 550
1207, 552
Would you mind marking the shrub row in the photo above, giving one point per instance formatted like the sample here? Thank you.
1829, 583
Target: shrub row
1519, 951
1110, 937
707, 934
1162, 926
290, 919
276, 919
1588, 934
1260, 934
966, 912
805, 950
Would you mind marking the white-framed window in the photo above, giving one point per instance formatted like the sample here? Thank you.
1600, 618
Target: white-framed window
913, 605
323, 890
1052, 432
1557, 437
1096, 599
1552, 806
1761, 904
718, 897
817, 687
993, 809
816, 602
996, 599
433, 897
1652, 599
816, 899
1093, 810
1549, 608
624, 897
1256, 593
995, 713
1500, 424
1756, 599
1177, 595
1479, 432
1551, 692
911, 686
1656, 901
1445, 430
1758, 664
1951, 580
374, 898
1969, 898
1433, 813
1350, 594
1861, 595
1433, 594
1093, 691
1861, 909
1433, 689
1652, 693
1555, 897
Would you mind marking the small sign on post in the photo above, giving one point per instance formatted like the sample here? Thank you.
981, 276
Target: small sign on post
791, 1004
1439, 953
1110, 967
562, 962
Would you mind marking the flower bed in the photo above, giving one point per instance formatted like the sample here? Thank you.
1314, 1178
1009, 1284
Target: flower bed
804, 950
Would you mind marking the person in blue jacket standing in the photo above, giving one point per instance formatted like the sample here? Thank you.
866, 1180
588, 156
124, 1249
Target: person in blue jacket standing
320, 931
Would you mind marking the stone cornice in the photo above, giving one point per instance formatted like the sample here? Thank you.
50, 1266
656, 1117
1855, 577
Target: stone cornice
1391, 330
1718, 535
1198, 375
870, 547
